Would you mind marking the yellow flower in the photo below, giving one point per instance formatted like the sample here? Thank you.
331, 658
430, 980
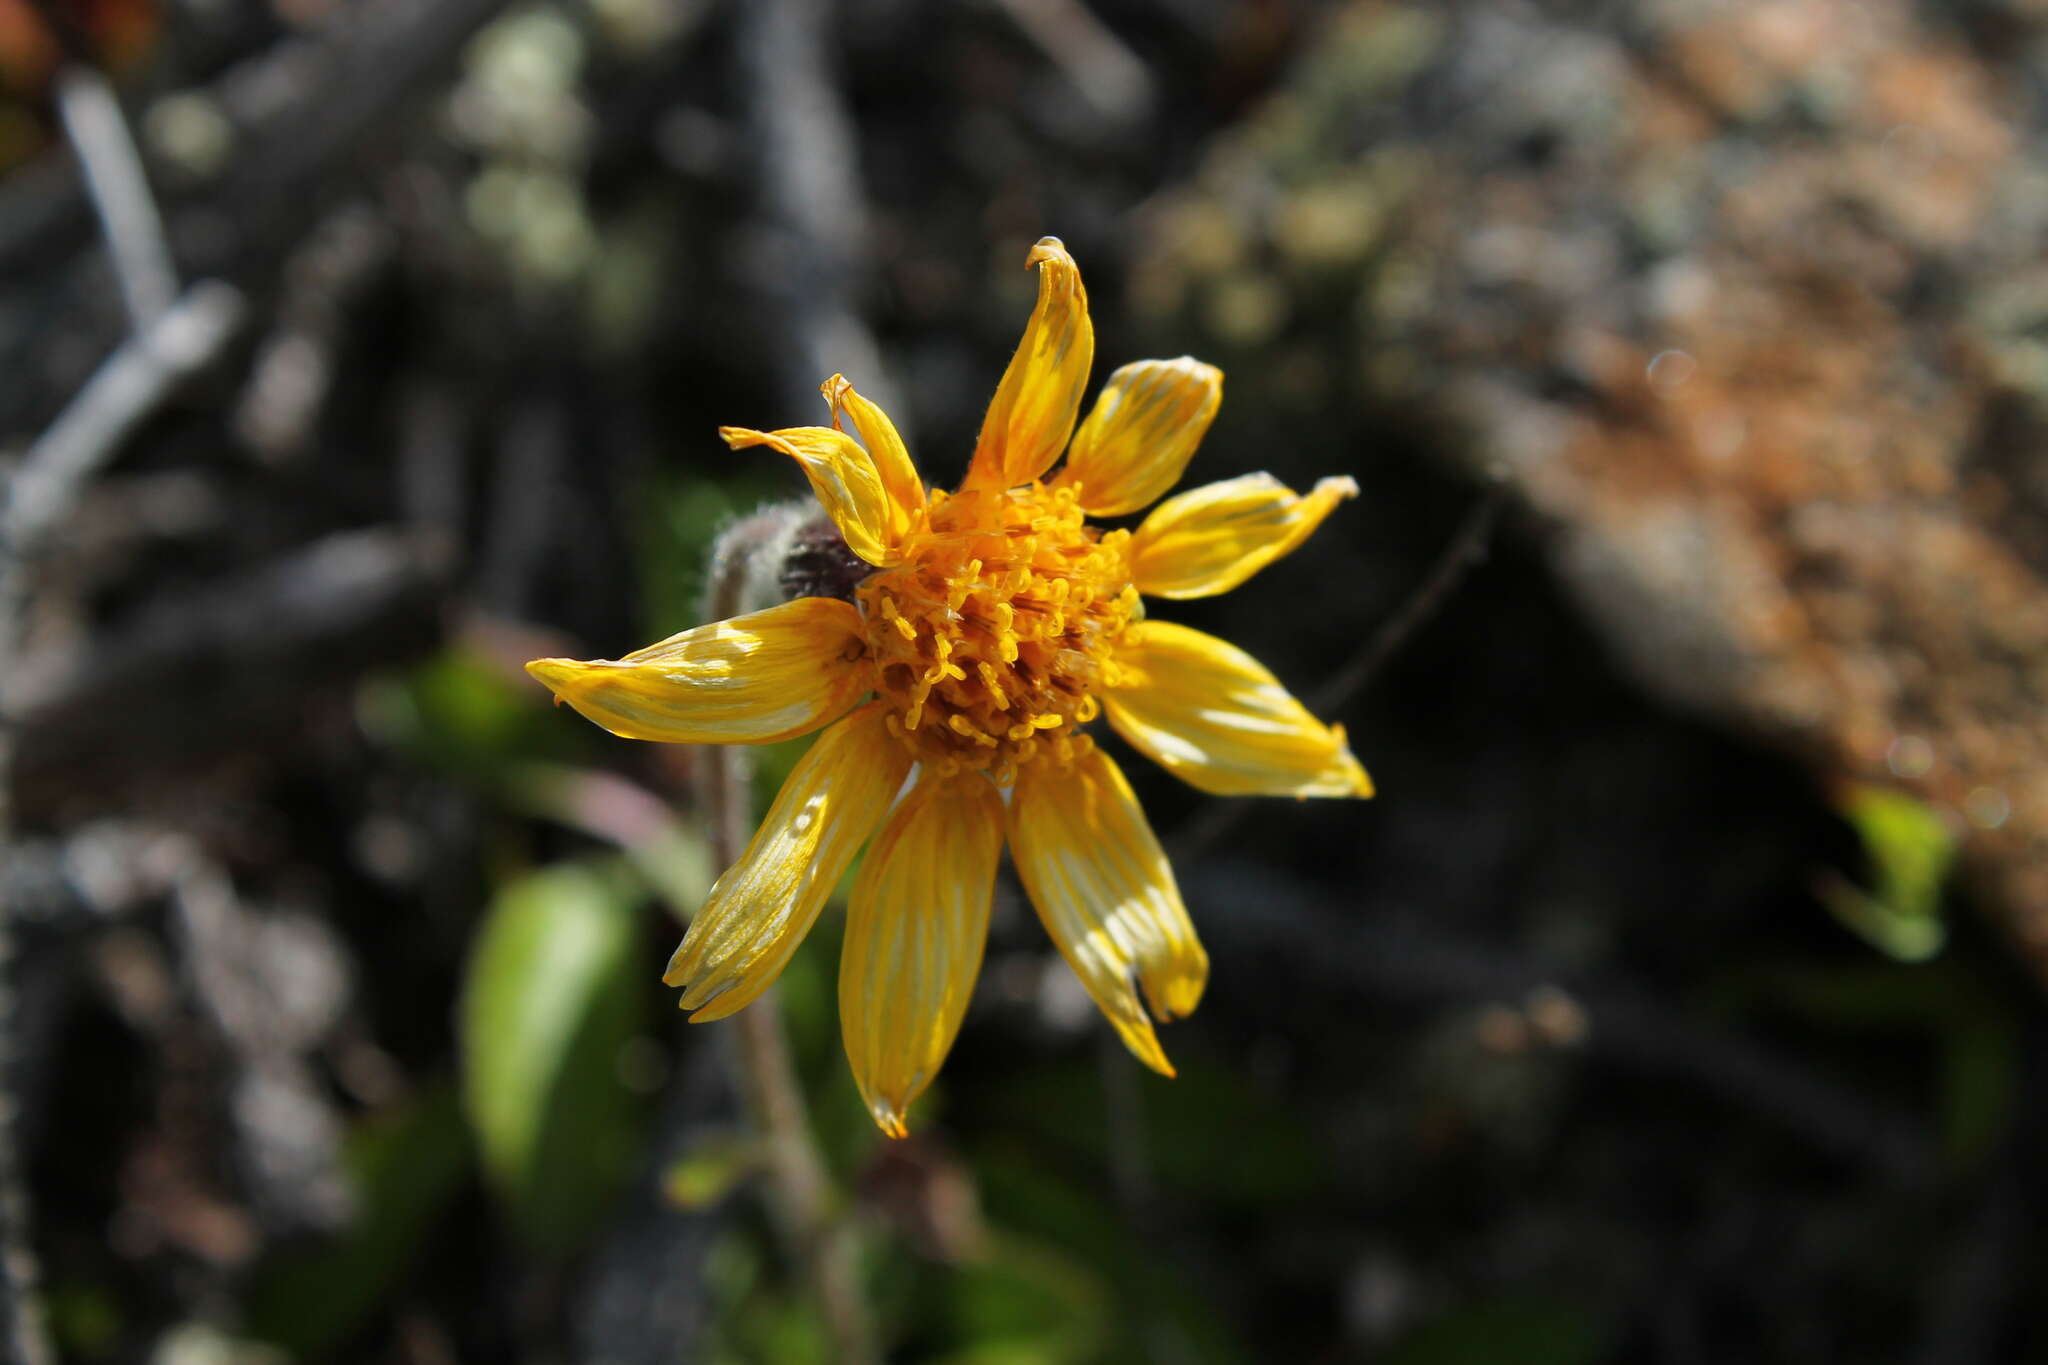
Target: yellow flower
994, 625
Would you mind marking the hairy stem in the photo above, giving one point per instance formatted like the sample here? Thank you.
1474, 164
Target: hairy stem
816, 1235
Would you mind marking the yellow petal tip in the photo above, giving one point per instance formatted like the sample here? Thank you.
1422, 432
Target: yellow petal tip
1047, 249
1352, 772
555, 673
889, 1119
707, 997
740, 438
834, 391
1178, 997
1145, 1047
723, 1004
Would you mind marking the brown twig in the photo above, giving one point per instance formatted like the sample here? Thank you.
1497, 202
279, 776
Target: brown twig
800, 1194
1465, 552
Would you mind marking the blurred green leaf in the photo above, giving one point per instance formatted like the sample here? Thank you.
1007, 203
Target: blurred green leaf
1525, 1330
85, 1319
772, 766
1151, 1292
406, 1167
756, 1321
553, 993
460, 714
1026, 1304
623, 293
682, 516
711, 1169
1911, 849
467, 703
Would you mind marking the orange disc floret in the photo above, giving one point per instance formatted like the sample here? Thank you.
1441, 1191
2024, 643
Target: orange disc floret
992, 636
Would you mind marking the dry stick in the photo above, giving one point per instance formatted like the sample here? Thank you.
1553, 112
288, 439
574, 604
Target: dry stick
812, 212
1107, 73
128, 216
24, 1328
800, 1193
130, 385
170, 339
1467, 549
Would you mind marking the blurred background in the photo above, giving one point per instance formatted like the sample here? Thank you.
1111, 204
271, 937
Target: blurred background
1679, 998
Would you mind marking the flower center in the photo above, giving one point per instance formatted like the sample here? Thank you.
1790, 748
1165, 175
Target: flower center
992, 636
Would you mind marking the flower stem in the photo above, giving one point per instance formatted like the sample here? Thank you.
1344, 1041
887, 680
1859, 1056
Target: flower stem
817, 1236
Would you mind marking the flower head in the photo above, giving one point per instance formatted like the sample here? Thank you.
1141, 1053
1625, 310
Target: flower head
993, 624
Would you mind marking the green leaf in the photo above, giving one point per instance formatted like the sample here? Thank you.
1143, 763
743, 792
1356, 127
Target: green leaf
462, 715
711, 1170
552, 995
85, 1319
1150, 1293
405, 1166
1026, 1304
1911, 849
679, 519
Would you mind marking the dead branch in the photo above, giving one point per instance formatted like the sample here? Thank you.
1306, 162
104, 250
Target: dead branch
203, 676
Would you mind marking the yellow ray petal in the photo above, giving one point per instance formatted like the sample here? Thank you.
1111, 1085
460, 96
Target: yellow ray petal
765, 903
1141, 433
1211, 715
1210, 539
915, 930
1032, 414
755, 679
892, 459
846, 483
1106, 895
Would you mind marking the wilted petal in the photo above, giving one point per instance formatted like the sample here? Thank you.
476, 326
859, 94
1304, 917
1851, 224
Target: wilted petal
765, 903
1105, 893
847, 486
1032, 415
1141, 433
914, 936
1210, 539
885, 447
1211, 715
755, 679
